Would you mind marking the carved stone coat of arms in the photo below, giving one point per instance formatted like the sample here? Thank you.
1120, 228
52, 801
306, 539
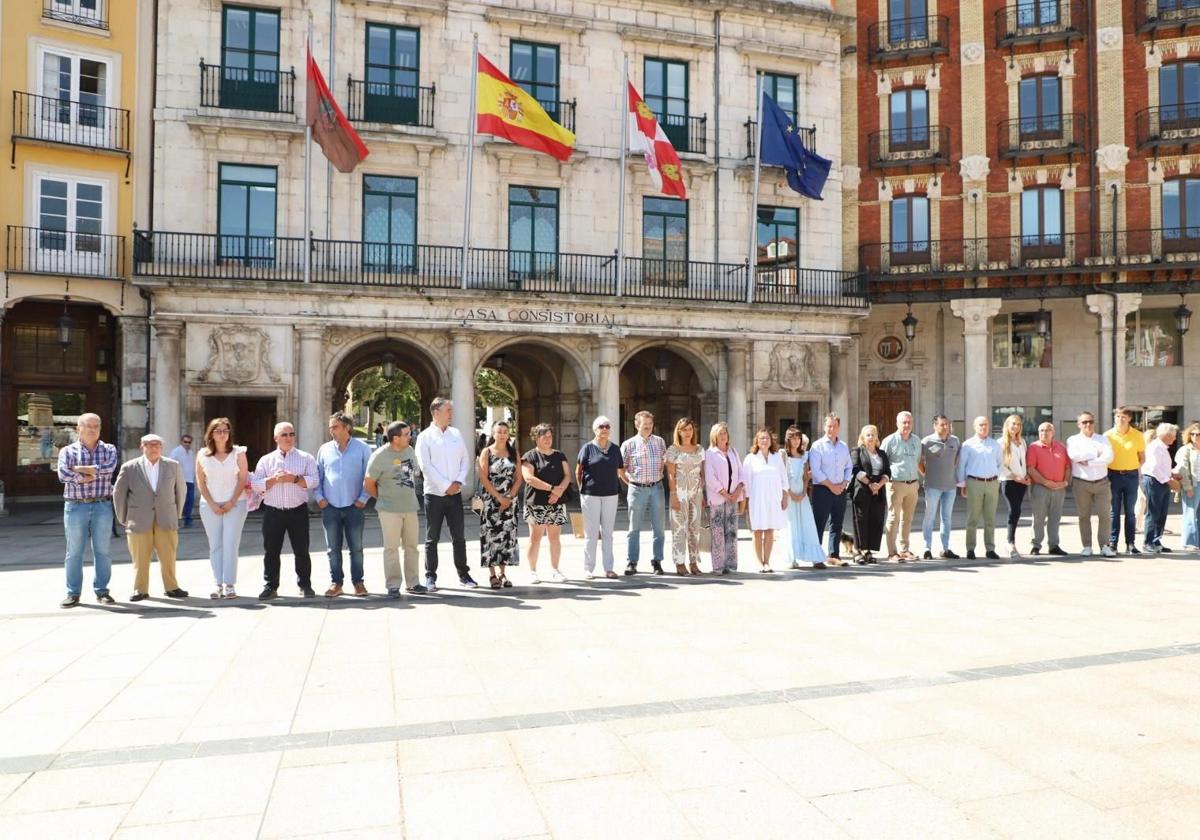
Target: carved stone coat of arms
238, 355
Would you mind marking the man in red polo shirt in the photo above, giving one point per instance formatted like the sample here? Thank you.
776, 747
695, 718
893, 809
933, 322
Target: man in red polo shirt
1049, 468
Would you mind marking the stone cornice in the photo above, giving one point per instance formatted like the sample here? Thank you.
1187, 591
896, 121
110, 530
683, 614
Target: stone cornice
650, 35
525, 17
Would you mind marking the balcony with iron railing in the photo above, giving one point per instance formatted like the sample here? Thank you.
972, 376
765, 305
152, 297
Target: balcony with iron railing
1168, 126
30, 250
808, 136
686, 133
1154, 15
1041, 22
913, 146
1045, 134
207, 257
391, 104
92, 13
69, 122
244, 89
907, 38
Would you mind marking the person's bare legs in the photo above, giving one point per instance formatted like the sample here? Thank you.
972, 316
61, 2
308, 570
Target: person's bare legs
759, 537
552, 535
535, 541
768, 544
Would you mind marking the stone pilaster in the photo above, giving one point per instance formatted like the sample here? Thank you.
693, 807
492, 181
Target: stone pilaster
132, 369
839, 383
310, 421
608, 401
977, 362
462, 394
1111, 366
736, 354
168, 367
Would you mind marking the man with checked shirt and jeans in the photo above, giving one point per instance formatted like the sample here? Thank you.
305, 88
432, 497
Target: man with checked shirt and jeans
644, 456
86, 469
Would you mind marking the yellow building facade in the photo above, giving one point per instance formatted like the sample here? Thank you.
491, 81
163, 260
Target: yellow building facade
69, 75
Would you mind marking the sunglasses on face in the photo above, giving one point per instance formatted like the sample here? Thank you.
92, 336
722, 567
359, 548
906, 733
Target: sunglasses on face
603, 426
1087, 422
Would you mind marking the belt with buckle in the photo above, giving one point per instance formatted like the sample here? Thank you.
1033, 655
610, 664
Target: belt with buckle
910, 481
1124, 472
651, 484
977, 478
92, 500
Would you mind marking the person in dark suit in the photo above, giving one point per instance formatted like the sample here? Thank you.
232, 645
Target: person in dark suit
871, 472
148, 499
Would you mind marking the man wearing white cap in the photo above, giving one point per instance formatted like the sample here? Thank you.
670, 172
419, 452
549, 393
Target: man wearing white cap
148, 499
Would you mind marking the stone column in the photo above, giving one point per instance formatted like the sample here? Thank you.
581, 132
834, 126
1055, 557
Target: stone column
1102, 305
168, 365
977, 356
609, 393
462, 394
736, 393
131, 364
311, 414
839, 384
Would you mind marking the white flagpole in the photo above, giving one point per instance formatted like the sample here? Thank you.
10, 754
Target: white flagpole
307, 164
466, 238
752, 256
621, 177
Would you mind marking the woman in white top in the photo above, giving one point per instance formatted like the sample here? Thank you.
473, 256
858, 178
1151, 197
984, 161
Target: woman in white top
1014, 480
765, 476
221, 473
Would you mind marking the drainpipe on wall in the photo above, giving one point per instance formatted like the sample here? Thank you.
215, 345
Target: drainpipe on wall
717, 138
149, 311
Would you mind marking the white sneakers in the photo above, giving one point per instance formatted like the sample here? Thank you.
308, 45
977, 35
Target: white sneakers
535, 579
1106, 550
558, 576
1087, 552
1012, 551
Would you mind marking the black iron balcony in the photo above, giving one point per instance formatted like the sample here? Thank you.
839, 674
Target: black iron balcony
1040, 22
1046, 134
62, 252
69, 122
205, 257
905, 38
1168, 126
241, 88
808, 136
687, 134
1153, 15
562, 111
382, 102
93, 13
915, 146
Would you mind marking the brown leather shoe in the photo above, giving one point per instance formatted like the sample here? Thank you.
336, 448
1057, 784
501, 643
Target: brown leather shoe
333, 591
694, 568
680, 569
360, 589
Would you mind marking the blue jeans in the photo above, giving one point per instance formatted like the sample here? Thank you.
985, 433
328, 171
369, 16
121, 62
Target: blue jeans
189, 504
831, 509
339, 523
84, 521
1124, 498
1191, 518
1158, 501
645, 501
935, 499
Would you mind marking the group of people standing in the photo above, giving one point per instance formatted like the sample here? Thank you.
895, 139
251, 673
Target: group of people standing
702, 491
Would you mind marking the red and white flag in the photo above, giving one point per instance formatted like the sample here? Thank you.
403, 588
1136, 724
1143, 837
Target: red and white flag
330, 128
646, 136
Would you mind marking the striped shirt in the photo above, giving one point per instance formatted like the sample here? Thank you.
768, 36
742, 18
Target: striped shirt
285, 495
103, 458
644, 459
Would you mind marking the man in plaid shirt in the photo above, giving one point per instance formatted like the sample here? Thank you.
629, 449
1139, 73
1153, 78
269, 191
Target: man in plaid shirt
86, 469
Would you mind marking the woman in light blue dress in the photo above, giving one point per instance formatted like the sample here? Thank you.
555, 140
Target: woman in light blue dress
804, 545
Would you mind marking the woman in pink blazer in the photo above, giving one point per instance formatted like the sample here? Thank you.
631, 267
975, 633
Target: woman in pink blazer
725, 487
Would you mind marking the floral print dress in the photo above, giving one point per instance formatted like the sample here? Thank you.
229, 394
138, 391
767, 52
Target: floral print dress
497, 526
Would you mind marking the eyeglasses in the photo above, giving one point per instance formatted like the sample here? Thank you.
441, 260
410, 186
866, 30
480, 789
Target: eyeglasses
1087, 422
1193, 434
603, 426
220, 430
287, 434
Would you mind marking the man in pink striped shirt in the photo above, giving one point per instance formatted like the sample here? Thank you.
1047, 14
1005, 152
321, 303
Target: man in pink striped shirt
284, 477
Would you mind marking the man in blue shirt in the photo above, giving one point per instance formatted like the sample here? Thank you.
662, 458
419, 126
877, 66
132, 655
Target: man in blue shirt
829, 462
979, 463
341, 468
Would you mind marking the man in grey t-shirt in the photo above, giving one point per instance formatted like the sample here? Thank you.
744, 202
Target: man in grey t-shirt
392, 480
939, 461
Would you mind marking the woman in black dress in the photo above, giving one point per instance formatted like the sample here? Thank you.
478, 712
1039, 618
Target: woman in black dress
500, 481
546, 481
868, 496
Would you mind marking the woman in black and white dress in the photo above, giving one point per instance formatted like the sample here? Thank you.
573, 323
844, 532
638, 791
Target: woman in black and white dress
500, 480
546, 481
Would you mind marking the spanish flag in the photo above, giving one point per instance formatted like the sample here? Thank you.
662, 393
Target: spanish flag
502, 108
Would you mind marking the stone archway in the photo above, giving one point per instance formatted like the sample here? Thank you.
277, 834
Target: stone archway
406, 357
670, 383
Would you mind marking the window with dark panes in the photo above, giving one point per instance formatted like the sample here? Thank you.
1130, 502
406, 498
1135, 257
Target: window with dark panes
667, 96
910, 229
909, 119
389, 222
1042, 222
1179, 95
907, 20
1036, 13
665, 238
250, 58
532, 229
392, 92
246, 211
535, 68
782, 89
1040, 102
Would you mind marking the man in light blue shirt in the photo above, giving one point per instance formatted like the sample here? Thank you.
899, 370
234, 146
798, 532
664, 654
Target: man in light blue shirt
979, 463
829, 463
903, 449
341, 468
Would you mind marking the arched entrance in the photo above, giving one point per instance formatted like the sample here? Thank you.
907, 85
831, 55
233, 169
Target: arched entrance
391, 373
666, 383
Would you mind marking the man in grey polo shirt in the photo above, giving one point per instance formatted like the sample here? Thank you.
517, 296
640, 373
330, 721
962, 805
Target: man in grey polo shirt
939, 463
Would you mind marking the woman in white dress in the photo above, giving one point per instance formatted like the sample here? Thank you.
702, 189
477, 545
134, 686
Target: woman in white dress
803, 543
766, 481
221, 473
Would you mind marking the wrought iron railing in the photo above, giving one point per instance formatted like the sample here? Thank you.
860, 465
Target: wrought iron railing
93, 13
1041, 135
32, 250
70, 122
562, 111
909, 146
241, 88
908, 38
808, 136
1168, 125
686, 133
1040, 21
208, 256
382, 102
1165, 14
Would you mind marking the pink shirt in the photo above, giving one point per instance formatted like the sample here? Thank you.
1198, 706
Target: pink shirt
285, 495
721, 473
1051, 461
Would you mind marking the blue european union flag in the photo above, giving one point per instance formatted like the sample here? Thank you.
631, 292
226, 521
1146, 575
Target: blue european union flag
782, 146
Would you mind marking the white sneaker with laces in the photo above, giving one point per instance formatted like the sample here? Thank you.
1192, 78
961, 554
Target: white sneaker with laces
1012, 551
535, 578
1087, 552
558, 576
1107, 551
590, 576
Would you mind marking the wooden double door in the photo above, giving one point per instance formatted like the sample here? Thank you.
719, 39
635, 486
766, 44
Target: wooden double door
887, 399
253, 421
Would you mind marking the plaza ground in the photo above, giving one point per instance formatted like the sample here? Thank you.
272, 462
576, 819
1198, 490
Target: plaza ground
1039, 698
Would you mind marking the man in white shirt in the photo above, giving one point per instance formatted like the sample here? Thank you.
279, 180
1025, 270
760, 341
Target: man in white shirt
1090, 455
1158, 480
186, 459
445, 463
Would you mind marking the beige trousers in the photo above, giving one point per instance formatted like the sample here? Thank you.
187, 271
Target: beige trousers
161, 541
902, 504
400, 530
1093, 497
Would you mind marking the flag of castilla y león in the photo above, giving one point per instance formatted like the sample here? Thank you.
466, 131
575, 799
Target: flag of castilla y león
504, 109
646, 135
330, 128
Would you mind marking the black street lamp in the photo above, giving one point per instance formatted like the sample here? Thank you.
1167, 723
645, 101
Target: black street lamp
910, 324
65, 325
1183, 317
662, 368
389, 365
1041, 321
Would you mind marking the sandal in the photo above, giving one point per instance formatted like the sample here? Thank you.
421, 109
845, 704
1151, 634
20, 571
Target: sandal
506, 583
495, 582
680, 569
694, 568
610, 575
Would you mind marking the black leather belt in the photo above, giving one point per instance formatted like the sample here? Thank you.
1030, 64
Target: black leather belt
651, 484
977, 478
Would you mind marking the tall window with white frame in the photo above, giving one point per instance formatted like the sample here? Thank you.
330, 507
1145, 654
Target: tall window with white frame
1042, 223
532, 232
1152, 339
1016, 342
70, 222
389, 223
664, 241
74, 99
392, 91
910, 230
534, 67
246, 212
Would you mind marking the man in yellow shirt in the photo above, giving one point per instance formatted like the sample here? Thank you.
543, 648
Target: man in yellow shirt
1129, 453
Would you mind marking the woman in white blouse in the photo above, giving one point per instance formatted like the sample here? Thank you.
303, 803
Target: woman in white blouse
1014, 480
221, 473
765, 476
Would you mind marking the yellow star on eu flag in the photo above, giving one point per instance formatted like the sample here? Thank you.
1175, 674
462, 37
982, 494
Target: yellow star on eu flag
791, 128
